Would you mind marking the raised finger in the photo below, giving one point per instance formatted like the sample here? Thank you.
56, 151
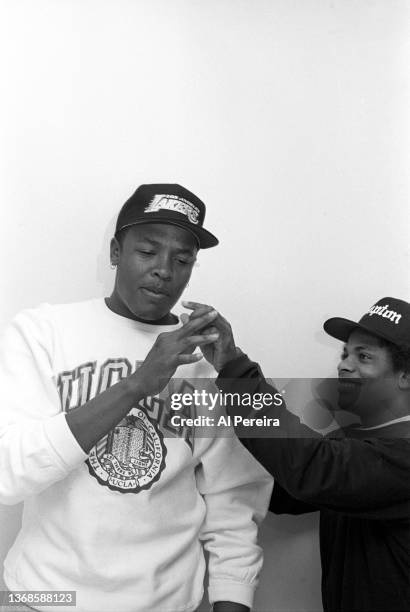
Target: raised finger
201, 339
197, 308
199, 312
210, 330
196, 324
219, 324
189, 358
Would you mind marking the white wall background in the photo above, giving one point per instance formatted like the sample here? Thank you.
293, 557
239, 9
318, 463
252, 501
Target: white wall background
288, 117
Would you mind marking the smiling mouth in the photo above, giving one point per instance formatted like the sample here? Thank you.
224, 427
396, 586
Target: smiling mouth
348, 384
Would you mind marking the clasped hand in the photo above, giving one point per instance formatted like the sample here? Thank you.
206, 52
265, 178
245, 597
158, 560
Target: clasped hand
221, 350
172, 349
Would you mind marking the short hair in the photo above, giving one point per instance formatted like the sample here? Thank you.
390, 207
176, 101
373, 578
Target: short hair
120, 235
399, 354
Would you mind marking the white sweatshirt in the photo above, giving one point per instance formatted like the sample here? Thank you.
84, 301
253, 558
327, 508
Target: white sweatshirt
123, 526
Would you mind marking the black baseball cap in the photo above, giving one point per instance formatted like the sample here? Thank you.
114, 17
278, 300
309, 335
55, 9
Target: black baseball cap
389, 318
167, 203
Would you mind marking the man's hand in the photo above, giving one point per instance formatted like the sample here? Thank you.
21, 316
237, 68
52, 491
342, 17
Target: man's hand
222, 349
172, 349
229, 606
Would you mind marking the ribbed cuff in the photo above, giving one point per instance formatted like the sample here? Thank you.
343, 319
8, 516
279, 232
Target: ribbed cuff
236, 367
63, 442
238, 592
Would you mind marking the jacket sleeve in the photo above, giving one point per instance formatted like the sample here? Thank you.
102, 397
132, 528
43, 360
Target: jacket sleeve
362, 477
236, 491
282, 502
37, 447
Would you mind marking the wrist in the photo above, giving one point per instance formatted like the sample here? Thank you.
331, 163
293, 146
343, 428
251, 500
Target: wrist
134, 387
231, 354
229, 606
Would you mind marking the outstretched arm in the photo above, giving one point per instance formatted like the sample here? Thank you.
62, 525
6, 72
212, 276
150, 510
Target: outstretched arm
364, 477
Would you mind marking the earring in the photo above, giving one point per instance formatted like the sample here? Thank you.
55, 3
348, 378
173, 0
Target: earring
113, 266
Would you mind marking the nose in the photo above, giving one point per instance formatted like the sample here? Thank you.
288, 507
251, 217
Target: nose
162, 268
345, 365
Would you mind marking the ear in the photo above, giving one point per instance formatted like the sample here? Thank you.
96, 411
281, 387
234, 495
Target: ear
404, 380
115, 249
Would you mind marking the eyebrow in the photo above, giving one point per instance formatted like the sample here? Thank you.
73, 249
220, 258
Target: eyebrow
364, 347
361, 347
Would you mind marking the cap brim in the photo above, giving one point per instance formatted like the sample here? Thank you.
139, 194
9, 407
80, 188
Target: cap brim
205, 239
339, 328
342, 328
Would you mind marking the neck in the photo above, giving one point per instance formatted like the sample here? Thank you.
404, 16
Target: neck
121, 309
394, 409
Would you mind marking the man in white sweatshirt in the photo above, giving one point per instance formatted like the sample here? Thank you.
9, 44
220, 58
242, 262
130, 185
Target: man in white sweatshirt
119, 503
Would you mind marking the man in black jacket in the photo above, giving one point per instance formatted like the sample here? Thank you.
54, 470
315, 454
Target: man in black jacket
359, 477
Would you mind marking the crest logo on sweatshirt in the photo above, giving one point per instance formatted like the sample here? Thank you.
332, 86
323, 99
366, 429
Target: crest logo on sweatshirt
131, 457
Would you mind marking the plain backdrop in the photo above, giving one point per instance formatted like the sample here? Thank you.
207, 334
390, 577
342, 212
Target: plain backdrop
289, 118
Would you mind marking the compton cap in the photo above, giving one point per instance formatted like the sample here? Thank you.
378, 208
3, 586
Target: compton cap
389, 318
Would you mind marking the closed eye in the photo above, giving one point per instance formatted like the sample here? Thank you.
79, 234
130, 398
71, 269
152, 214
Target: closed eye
186, 261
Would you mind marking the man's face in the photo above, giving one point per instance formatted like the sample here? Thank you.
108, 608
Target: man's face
154, 264
367, 381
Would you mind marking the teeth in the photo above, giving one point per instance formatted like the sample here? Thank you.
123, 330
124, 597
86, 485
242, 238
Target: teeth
347, 383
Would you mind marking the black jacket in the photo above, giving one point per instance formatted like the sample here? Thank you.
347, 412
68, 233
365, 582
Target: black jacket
360, 482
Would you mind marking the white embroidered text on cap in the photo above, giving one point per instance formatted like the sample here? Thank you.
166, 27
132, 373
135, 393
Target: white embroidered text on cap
175, 203
382, 311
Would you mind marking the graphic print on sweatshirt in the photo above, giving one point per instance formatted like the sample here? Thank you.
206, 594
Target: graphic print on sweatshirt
131, 457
